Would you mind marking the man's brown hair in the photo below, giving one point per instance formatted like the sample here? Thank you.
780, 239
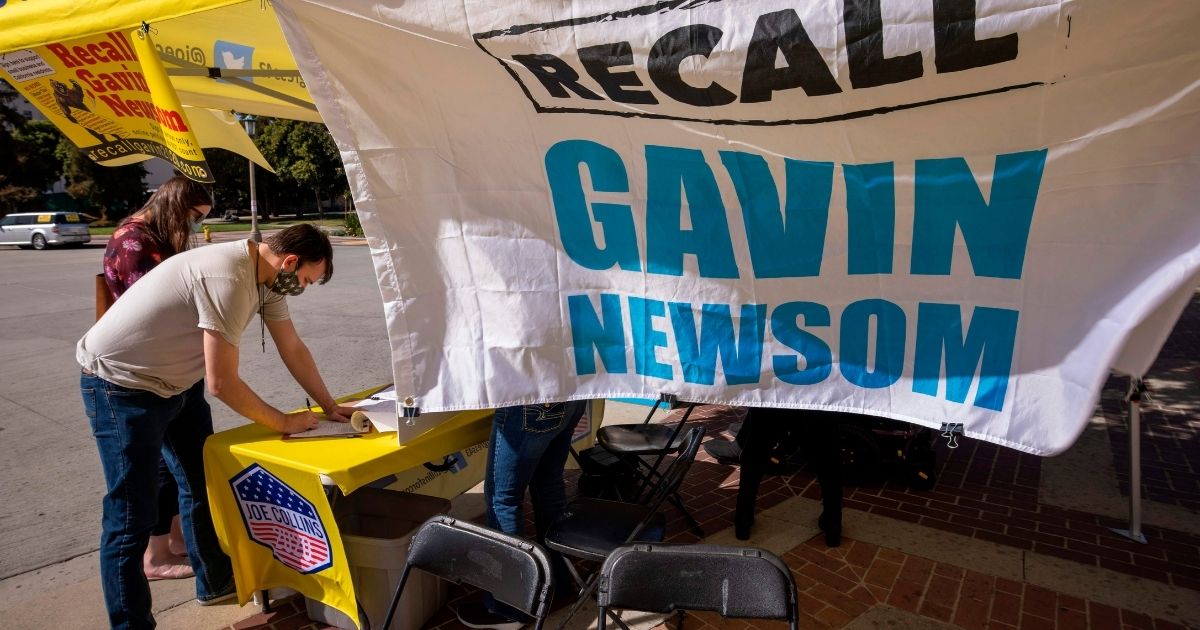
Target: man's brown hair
305, 241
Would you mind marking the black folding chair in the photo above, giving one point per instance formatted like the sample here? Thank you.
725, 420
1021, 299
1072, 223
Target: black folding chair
738, 582
590, 528
514, 570
634, 442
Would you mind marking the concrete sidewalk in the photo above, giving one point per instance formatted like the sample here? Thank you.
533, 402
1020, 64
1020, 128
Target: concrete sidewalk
1005, 540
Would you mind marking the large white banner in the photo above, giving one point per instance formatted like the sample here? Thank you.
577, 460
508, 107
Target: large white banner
942, 211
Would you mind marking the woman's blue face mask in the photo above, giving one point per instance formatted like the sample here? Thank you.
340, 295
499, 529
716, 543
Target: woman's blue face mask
197, 217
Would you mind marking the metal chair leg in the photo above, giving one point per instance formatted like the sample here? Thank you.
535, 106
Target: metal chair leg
586, 593
575, 576
617, 618
674, 436
387, 622
687, 516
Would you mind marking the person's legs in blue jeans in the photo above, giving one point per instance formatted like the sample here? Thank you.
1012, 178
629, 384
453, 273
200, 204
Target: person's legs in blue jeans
528, 451
529, 447
548, 492
183, 450
128, 425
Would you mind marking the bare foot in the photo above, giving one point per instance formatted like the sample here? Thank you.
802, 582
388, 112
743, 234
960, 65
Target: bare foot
175, 542
168, 571
177, 547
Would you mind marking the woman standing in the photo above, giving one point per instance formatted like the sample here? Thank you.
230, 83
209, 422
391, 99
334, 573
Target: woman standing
161, 229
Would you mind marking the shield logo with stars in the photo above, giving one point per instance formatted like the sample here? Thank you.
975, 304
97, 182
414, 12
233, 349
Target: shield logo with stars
279, 518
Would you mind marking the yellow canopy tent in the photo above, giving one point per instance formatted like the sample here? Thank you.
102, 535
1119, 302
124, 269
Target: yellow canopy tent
220, 56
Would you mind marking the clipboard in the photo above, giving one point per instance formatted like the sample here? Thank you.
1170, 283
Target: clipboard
328, 429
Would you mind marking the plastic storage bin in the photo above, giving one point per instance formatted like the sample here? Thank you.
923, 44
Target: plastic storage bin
376, 527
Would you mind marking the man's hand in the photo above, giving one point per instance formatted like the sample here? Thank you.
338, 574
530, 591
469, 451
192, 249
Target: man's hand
339, 413
298, 421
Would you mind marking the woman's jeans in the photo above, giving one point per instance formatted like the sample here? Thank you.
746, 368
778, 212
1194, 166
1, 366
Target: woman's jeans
132, 428
529, 450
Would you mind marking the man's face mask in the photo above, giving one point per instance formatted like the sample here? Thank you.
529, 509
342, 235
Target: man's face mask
286, 283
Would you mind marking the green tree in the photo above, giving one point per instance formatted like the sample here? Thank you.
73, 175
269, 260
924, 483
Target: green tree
304, 155
38, 167
112, 191
29, 167
232, 187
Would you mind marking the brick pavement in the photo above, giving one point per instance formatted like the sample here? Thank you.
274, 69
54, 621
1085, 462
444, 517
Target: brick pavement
838, 586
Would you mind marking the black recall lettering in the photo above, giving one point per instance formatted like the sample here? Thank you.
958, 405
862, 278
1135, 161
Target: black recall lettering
784, 32
599, 61
864, 48
555, 75
671, 49
955, 43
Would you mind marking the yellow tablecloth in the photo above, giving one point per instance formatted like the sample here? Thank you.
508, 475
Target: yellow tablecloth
270, 509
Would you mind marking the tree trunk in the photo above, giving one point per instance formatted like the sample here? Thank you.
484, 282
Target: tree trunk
320, 210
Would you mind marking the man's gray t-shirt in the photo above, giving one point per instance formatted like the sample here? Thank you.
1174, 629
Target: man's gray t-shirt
153, 336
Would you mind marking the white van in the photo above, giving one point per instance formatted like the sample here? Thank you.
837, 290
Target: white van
40, 229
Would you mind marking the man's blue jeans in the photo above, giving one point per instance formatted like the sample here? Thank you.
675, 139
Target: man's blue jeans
132, 427
529, 450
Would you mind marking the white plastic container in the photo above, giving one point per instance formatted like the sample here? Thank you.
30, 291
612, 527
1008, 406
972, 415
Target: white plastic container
377, 526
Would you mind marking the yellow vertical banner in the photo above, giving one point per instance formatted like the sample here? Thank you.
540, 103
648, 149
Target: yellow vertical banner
277, 526
111, 96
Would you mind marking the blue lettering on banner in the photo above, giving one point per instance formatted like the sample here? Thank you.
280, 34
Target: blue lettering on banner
790, 244
669, 170
785, 237
818, 359
741, 357
607, 173
605, 331
871, 217
986, 348
989, 344
996, 233
646, 338
889, 343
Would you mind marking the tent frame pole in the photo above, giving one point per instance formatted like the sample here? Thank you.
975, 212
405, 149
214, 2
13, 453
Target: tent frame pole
1134, 533
249, 85
255, 235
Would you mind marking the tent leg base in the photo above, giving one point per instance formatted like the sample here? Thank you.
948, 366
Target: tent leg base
1138, 537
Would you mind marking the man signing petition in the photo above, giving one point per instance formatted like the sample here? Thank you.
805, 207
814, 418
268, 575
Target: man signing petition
143, 366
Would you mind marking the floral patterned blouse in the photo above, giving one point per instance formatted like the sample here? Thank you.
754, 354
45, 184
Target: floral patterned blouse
131, 253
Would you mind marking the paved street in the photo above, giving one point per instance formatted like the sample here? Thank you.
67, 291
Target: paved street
52, 483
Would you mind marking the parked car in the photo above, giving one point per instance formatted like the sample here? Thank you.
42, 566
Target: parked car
42, 229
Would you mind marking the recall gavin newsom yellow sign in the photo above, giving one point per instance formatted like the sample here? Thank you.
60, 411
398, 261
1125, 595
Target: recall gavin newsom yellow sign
111, 96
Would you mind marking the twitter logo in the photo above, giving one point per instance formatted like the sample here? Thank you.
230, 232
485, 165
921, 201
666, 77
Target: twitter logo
233, 56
